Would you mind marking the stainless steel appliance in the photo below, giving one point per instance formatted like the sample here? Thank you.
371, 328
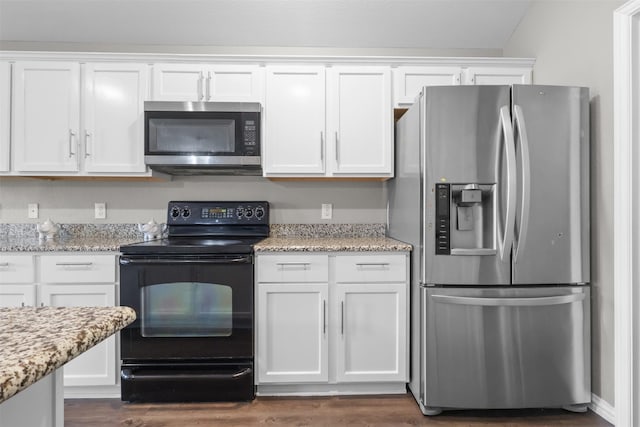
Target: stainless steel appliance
193, 295
194, 138
492, 190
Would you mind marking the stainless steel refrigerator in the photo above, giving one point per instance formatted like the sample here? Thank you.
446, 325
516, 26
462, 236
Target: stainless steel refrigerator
492, 191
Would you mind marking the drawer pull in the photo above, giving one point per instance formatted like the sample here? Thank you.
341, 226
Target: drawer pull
303, 265
4, 264
74, 264
362, 265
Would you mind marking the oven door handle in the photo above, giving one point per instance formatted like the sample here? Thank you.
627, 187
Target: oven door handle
127, 374
237, 260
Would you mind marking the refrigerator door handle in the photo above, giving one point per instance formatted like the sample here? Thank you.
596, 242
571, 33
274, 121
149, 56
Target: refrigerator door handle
510, 151
502, 302
526, 181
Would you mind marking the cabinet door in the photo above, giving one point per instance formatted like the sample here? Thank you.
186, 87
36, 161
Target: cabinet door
292, 333
113, 105
235, 83
497, 76
371, 332
178, 82
5, 115
17, 295
46, 115
408, 81
97, 366
360, 121
294, 141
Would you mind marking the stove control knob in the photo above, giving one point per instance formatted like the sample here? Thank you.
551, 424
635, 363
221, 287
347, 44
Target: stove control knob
239, 212
248, 212
175, 212
186, 212
259, 212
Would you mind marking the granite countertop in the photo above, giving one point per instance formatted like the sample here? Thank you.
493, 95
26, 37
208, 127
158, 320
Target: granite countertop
66, 244
330, 244
37, 341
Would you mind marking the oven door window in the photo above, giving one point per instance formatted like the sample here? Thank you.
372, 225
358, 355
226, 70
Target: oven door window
187, 309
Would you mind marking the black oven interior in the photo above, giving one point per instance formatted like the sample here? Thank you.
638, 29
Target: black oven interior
193, 295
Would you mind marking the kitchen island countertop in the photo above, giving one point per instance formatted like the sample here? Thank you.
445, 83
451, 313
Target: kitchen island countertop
35, 341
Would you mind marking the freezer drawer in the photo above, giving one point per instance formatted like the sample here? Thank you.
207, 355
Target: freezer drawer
506, 348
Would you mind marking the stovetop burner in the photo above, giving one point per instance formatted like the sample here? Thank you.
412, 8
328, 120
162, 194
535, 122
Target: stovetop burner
209, 228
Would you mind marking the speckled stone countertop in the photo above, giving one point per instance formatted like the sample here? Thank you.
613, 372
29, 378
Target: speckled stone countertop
331, 244
72, 238
36, 341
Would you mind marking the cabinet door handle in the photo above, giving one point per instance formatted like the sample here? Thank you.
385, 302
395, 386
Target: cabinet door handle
4, 264
72, 135
341, 317
87, 135
337, 148
208, 87
324, 317
321, 146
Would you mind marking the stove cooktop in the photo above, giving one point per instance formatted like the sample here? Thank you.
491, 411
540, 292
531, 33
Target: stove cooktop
201, 227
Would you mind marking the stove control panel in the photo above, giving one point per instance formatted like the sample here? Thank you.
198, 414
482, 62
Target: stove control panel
218, 213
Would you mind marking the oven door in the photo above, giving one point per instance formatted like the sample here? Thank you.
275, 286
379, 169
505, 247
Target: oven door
188, 307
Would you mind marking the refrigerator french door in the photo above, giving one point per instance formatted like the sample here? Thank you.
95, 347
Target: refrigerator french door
492, 190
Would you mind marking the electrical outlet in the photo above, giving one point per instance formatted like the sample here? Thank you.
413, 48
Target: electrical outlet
327, 209
100, 210
32, 210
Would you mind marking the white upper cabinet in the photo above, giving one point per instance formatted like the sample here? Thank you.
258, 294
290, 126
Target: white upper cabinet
113, 107
409, 80
328, 122
197, 82
52, 134
497, 75
294, 121
5, 114
46, 116
360, 121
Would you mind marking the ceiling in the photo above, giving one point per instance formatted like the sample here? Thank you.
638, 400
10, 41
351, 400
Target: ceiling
436, 24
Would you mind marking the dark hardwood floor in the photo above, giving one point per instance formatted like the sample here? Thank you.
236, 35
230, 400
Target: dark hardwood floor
398, 410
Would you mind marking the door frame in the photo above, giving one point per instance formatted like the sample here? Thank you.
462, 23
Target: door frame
626, 54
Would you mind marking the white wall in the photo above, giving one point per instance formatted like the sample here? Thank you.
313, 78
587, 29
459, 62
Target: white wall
572, 42
128, 202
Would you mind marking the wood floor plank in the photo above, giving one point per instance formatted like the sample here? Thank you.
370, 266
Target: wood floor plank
396, 410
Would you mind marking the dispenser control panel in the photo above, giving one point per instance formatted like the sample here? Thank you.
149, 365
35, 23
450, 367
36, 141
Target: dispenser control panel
443, 223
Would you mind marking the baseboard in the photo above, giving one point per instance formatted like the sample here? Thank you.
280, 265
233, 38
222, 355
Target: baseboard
603, 408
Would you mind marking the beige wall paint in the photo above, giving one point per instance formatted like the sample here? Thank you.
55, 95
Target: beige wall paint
572, 42
127, 202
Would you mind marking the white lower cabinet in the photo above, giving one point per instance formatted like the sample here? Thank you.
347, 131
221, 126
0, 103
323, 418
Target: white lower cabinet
293, 332
61, 279
331, 323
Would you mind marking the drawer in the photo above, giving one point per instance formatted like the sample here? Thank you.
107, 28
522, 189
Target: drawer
371, 268
292, 268
17, 269
78, 268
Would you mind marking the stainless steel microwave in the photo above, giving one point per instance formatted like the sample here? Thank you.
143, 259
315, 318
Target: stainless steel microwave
193, 138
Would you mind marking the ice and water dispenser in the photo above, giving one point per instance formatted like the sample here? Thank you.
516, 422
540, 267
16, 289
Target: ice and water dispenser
465, 219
